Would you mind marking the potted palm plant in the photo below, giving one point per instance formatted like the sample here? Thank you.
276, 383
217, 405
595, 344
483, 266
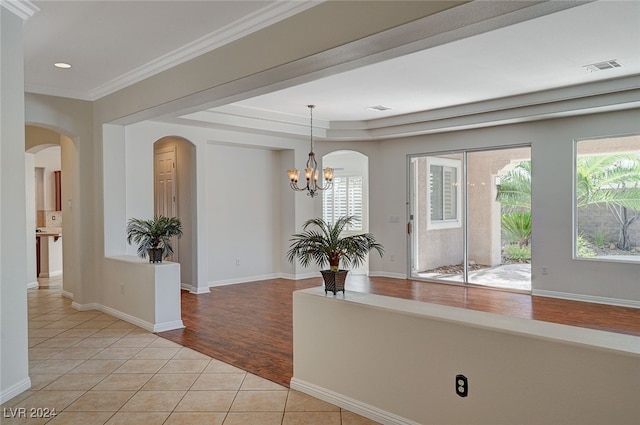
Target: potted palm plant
154, 236
321, 242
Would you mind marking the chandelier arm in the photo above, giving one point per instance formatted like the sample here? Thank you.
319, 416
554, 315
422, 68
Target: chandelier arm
295, 186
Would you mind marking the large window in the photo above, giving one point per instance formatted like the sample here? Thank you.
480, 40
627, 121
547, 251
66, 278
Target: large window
607, 199
444, 193
345, 198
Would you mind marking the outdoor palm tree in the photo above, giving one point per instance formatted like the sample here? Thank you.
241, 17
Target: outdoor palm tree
614, 181
514, 191
611, 180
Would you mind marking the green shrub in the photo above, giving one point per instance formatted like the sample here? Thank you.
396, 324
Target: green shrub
599, 238
517, 252
584, 250
517, 227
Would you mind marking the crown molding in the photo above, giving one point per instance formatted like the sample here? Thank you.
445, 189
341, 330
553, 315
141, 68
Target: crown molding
256, 21
22, 8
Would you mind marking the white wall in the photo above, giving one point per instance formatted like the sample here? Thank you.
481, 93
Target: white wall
142, 293
396, 361
13, 239
243, 220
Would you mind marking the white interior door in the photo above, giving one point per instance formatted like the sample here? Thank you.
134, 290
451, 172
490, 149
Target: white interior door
165, 188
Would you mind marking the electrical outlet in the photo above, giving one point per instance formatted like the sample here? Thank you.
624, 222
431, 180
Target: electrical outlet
545, 270
237, 261
462, 385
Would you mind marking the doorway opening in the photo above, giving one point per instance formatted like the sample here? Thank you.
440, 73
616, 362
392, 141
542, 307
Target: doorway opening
175, 196
467, 224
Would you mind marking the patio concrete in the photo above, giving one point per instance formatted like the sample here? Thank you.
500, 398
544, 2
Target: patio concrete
508, 276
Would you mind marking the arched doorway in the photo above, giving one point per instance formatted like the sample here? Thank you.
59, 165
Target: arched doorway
349, 194
51, 163
175, 195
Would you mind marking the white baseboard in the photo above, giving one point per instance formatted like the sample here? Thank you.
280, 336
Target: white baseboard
307, 275
14, 390
350, 404
86, 307
388, 274
586, 298
33, 285
200, 290
67, 294
159, 327
127, 318
244, 279
168, 326
51, 274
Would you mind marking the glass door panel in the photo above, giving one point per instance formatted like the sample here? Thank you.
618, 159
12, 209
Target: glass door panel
436, 217
499, 218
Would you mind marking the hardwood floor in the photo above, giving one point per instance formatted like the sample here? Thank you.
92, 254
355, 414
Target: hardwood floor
250, 325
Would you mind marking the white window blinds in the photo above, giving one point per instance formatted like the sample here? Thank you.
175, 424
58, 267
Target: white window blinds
345, 198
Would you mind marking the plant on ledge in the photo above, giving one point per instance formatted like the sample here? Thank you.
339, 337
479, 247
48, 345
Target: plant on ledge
321, 243
154, 236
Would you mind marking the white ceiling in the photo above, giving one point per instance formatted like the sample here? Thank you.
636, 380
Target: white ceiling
112, 44
115, 43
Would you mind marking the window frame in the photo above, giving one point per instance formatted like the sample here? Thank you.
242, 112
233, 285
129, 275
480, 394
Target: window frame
445, 223
575, 218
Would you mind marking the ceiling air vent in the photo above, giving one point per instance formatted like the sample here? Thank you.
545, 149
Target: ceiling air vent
601, 66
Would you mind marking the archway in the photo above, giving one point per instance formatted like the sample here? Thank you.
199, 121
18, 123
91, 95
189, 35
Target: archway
349, 194
49, 202
175, 195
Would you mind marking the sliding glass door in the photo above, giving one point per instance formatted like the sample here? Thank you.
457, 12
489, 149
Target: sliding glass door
465, 226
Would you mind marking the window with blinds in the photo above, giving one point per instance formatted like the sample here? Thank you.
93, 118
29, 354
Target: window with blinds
344, 198
444, 194
444, 187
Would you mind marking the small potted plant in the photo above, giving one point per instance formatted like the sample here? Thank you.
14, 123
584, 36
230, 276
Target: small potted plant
320, 242
154, 236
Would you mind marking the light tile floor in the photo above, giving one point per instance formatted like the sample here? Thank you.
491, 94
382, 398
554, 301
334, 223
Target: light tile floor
92, 368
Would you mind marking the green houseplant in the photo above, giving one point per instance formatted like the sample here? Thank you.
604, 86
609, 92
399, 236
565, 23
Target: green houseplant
321, 242
154, 236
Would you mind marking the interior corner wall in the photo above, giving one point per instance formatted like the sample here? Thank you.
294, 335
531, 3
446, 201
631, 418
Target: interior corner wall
287, 210
114, 189
71, 242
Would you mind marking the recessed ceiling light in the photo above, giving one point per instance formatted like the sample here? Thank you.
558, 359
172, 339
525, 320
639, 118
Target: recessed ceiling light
62, 65
378, 108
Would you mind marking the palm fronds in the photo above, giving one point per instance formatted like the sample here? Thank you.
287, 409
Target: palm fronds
320, 242
153, 234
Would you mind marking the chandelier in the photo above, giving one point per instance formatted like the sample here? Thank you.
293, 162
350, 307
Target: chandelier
311, 172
